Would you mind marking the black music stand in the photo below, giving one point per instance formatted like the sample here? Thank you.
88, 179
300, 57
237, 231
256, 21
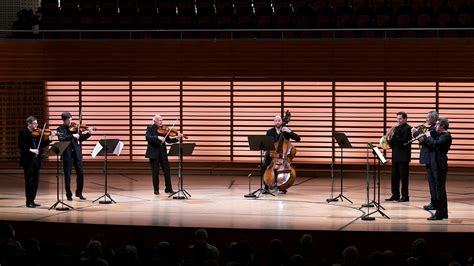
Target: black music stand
260, 143
108, 147
57, 149
181, 149
380, 159
343, 142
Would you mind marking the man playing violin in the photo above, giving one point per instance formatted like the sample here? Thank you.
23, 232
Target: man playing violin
275, 133
73, 154
156, 152
30, 159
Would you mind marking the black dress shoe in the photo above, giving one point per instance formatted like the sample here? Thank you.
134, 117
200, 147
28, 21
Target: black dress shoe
393, 198
69, 198
36, 204
283, 191
265, 191
434, 218
30, 205
81, 197
438, 216
404, 199
429, 207
156, 192
171, 191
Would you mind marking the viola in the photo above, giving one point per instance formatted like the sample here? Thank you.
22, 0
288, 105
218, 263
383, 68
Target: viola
74, 127
280, 172
163, 131
47, 132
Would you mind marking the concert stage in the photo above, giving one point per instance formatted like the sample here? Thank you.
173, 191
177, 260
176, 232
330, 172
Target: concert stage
218, 202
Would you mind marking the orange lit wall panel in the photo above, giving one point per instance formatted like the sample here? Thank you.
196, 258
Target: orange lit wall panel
219, 115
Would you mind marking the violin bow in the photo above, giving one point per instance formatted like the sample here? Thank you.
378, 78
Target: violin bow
41, 137
171, 128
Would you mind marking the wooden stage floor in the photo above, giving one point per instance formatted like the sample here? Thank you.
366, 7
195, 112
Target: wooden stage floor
218, 202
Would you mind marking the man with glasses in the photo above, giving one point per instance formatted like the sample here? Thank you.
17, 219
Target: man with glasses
30, 158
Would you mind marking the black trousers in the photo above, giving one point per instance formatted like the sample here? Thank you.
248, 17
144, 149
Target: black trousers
263, 168
31, 172
400, 171
440, 176
155, 167
432, 185
67, 176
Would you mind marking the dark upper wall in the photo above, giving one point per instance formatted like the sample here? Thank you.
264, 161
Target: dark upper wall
352, 60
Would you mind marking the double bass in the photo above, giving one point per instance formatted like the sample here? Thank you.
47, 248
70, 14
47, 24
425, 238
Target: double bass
281, 173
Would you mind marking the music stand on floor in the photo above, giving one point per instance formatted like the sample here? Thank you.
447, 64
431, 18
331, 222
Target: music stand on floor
108, 147
181, 149
381, 159
58, 149
260, 143
343, 142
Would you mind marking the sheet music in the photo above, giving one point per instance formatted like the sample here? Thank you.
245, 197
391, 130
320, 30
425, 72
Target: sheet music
96, 150
118, 148
379, 154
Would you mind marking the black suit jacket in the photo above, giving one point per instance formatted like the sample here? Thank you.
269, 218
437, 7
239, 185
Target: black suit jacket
439, 145
424, 149
272, 132
401, 153
27, 142
65, 135
155, 147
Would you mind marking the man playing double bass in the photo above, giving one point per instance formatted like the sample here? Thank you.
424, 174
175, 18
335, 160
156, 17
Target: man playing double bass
275, 133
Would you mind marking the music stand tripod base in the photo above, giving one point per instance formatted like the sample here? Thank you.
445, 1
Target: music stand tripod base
331, 200
176, 195
250, 195
367, 217
64, 207
105, 201
56, 150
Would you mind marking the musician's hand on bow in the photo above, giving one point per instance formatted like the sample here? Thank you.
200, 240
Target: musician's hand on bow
285, 129
162, 139
35, 151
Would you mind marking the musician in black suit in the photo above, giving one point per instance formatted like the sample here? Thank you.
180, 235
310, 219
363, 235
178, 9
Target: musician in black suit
430, 124
156, 153
72, 155
439, 143
275, 133
30, 158
401, 157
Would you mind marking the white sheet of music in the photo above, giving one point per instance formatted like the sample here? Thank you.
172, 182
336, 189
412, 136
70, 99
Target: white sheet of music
379, 154
118, 148
96, 150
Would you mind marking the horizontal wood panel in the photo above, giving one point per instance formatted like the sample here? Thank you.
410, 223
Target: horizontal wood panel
368, 60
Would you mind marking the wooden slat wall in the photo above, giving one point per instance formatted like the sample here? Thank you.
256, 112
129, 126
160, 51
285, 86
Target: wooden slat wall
247, 82
290, 60
17, 102
219, 116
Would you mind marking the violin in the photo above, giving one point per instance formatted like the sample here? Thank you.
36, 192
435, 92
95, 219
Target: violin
163, 131
47, 132
281, 173
73, 127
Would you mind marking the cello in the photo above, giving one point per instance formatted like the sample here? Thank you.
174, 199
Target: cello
280, 173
